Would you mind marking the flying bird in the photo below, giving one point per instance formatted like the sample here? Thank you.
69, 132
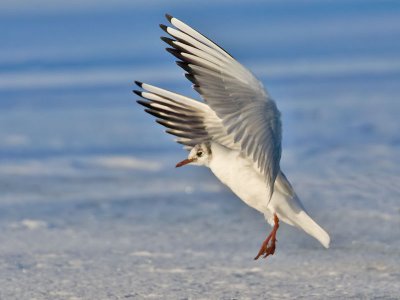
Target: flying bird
236, 131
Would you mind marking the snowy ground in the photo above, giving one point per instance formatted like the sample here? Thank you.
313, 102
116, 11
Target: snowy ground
91, 206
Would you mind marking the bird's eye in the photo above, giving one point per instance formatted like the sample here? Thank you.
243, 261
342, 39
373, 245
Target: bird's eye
200, 153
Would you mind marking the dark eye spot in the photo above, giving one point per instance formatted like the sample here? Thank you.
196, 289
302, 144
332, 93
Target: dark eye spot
199, 153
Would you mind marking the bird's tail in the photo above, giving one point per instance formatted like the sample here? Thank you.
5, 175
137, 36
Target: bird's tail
304, 221
292, 211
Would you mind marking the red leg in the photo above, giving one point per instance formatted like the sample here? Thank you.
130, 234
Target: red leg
267, 249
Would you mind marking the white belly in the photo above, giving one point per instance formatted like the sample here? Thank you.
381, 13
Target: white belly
239, 174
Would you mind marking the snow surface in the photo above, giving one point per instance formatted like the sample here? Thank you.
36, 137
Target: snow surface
91, 206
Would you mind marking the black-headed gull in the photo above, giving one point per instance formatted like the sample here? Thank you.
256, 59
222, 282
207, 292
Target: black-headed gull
236, 132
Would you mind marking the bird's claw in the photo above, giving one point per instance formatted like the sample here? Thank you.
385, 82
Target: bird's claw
270, 250
267, 249
269, 245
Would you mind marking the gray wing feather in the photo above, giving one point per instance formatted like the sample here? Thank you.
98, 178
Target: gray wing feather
247, 112
191, 121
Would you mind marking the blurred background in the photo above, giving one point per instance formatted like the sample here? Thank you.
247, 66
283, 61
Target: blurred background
91, 206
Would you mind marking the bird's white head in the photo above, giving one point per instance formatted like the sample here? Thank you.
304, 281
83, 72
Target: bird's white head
200, 155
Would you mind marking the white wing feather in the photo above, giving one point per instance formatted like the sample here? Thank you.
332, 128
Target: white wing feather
247, 112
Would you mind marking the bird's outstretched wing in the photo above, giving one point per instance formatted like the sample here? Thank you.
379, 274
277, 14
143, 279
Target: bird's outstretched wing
247, 112
191, 121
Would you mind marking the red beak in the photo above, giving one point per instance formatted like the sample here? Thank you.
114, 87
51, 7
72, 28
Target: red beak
184, 162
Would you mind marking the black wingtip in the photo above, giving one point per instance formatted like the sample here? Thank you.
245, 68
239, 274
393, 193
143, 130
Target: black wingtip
191, 78
138, 83
168, 41
169, 17
139, 93
161, 122
196, 87
175, 53
184, 66
143, 103
163, 27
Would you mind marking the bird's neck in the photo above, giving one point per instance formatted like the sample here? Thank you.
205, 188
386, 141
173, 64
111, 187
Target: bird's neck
217, 150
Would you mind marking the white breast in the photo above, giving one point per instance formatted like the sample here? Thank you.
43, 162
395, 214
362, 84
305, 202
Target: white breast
240, 175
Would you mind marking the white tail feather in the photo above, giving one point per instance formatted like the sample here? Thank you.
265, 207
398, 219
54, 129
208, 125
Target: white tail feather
303, 221
289, 208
